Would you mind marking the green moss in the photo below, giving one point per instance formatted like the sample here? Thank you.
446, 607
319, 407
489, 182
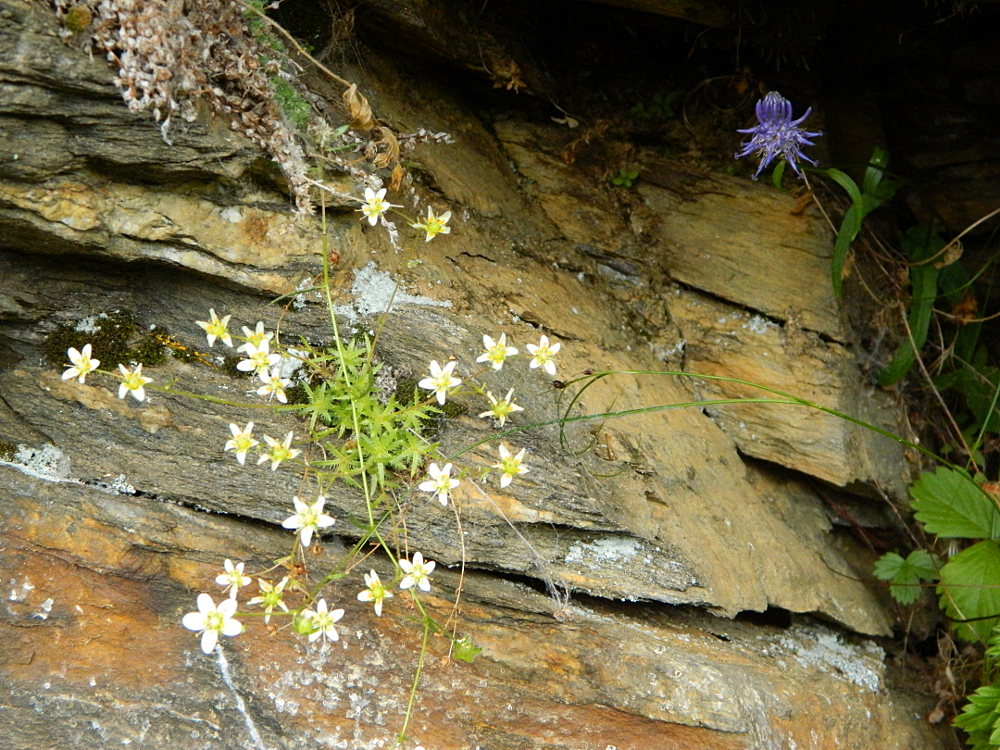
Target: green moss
150, 350
297, 394
108, 334
291, 103
78, 19
452, 410
229, 368
7, 451
111, 337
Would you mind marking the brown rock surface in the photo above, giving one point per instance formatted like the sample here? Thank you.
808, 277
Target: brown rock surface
659, 522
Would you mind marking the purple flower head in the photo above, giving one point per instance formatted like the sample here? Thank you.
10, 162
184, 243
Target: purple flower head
777, 134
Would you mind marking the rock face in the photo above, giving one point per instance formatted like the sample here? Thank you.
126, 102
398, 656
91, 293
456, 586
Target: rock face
656, 528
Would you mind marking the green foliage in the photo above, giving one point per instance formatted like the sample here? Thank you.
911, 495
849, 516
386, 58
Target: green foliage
980, 717
291, 103
907, 574
625, 177
970, 590
286, 95
463, 649
874, 192
662, 107
979, 385
950, 504
920, 243
363, 430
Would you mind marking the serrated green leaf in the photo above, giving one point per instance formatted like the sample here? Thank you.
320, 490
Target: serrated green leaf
950, 504
888, 565
906, 575
970, 590
981, 712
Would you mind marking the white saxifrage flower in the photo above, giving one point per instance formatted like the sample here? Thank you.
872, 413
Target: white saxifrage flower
441, 380
323, 621
417, 572
81, 363
216, 329
496, 351
274, 385
374, 205
133, 382
270, 597
259, 358
434, 225
212, 621
254, 337
501, 409
441, 482
543, 355
510, 465
308, 519
375, 592
233, 578
241, 441
278, 452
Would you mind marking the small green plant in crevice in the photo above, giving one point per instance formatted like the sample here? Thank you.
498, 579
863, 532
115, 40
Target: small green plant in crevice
661, 107
625, 177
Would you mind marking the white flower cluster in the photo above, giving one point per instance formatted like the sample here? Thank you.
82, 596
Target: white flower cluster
82, 363
211, 620
443, 382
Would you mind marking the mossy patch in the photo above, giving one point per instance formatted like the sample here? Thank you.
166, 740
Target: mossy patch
7, 451
114, 339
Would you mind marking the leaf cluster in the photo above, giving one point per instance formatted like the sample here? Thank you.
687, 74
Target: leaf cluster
950, 504
366, 434
662, 107
625, 177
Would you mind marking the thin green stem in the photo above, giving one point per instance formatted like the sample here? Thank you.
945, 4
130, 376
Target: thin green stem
420, 668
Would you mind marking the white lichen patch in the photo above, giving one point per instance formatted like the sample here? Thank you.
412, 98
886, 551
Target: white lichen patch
48, 462
614, 549
758, 324
821, 648
352, 690
376, 292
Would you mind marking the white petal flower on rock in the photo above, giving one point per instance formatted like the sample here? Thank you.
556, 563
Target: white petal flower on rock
308, 519
211, 621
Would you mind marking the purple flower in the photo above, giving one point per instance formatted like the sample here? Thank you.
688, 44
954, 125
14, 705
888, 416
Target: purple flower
777, 134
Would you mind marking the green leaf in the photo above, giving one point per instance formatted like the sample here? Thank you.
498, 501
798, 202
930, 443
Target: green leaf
778, 174
845, 182
907, 574
921, 243
950, 504
876, 170
849, 228
464, 650
980, 715
970, 590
